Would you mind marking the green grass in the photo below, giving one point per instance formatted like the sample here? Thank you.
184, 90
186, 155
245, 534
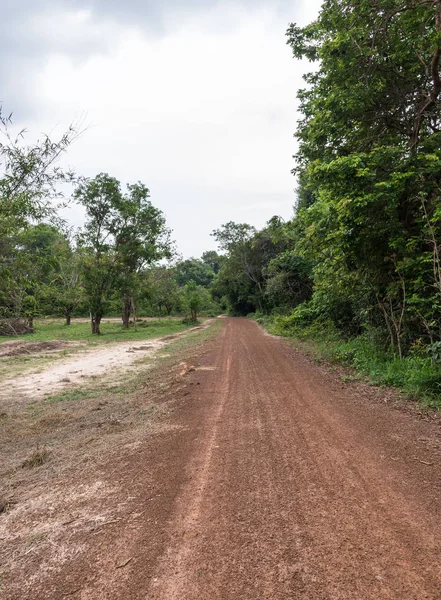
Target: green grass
194, 339
418, 376
72, 395
55, 329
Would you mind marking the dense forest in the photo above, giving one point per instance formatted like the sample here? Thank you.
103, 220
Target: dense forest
357, 268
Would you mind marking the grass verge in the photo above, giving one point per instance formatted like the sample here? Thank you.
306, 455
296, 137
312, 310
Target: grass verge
112, 331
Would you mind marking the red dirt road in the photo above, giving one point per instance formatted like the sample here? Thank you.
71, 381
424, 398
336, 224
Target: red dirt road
278, 484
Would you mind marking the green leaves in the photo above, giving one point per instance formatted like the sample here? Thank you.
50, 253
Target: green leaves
30, 177
369, 163
374, 73
123, 234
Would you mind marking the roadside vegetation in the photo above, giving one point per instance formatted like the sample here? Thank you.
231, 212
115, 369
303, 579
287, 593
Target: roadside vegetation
358, 267
415, 373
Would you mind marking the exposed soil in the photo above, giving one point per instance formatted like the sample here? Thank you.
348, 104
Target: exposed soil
271, 479
98, 362
110, 362
55, 454
23, 348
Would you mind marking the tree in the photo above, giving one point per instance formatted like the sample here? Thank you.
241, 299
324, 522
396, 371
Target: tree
194, 269
67, 289
99, 263
29, 269
378, 76
193, 299
141, 238
289, 280
242, 279
242, 276
369, 161
123, 234
213, 260
163, 290
29, 177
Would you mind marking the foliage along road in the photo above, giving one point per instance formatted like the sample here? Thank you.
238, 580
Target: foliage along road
275, 482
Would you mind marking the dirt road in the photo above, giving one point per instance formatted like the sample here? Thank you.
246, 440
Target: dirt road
275, 483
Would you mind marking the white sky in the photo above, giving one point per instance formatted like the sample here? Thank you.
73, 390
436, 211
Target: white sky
199, 103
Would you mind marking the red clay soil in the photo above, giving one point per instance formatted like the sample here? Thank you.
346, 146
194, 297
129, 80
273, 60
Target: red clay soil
275, 484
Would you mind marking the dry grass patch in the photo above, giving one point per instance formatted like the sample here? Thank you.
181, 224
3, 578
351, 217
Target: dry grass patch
51, 422
36, 459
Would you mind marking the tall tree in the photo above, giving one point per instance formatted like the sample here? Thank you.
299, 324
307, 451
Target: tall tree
141, 239
123, 234
213, 260
242, 278
99, 197
67, 291
369, 156
29, 176
194, 269
29, 269
163, 290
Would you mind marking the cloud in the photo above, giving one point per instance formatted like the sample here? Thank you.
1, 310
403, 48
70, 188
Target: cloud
31, 32
29, 38
199, 104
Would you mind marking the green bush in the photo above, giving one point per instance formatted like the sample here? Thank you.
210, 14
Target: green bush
300, 318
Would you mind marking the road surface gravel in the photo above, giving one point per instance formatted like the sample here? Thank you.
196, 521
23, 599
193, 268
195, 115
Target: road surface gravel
276, 483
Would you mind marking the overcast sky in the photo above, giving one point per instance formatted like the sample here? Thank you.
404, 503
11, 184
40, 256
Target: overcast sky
195, 98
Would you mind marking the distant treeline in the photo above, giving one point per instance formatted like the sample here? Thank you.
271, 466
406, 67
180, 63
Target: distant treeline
122, 261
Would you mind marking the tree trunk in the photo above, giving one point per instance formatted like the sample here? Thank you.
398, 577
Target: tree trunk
31, 323
95, 321
68, 313
386, 320
127, 309
134, 314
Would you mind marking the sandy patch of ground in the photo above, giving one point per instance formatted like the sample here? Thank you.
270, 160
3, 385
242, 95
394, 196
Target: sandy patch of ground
76, 370
110, 362
53, 511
